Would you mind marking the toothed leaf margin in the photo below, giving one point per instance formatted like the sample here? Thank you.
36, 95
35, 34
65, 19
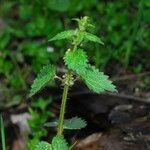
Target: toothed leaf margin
43, 146
46, 74
92, 38
71, 124
74, 123
63, 35
58, 143
97, 81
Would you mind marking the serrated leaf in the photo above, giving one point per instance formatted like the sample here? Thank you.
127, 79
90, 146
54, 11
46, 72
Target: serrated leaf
72, 124
43, 146
63, 35
59, 143
97, 81
92, 38
76, 60
46, 74
51, 124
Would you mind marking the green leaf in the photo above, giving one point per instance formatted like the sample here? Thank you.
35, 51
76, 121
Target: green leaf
92, 37
79, 38
72, 124
76, 60
46, 74
63, 35
59, 143
97, 81
43, 146
51, 124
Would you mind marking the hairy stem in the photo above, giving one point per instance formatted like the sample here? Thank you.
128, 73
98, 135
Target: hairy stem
67, 84
62, 110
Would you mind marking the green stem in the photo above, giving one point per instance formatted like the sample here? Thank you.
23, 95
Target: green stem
2, 133
65, 92
62, 110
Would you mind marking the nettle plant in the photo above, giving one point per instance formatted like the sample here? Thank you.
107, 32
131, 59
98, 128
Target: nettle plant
76, 62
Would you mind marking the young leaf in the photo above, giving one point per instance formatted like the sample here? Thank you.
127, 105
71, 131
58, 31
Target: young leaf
63, 35
92, 37
46, 74
59, 143
76, 60
97, 81
43, 146
79, 38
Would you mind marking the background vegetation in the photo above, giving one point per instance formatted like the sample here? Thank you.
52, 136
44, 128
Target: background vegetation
26, 26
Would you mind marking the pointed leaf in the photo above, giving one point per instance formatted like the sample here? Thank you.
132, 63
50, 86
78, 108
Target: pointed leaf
46, 74
97, 81
51, 124
59, 143
72, 124
63, 35
76, 60
43, 146
92, 37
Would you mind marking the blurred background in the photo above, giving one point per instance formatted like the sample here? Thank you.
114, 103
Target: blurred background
124, 27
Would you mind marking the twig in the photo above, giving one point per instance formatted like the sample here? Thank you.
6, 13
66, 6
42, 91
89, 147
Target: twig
121, 96
131, 76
